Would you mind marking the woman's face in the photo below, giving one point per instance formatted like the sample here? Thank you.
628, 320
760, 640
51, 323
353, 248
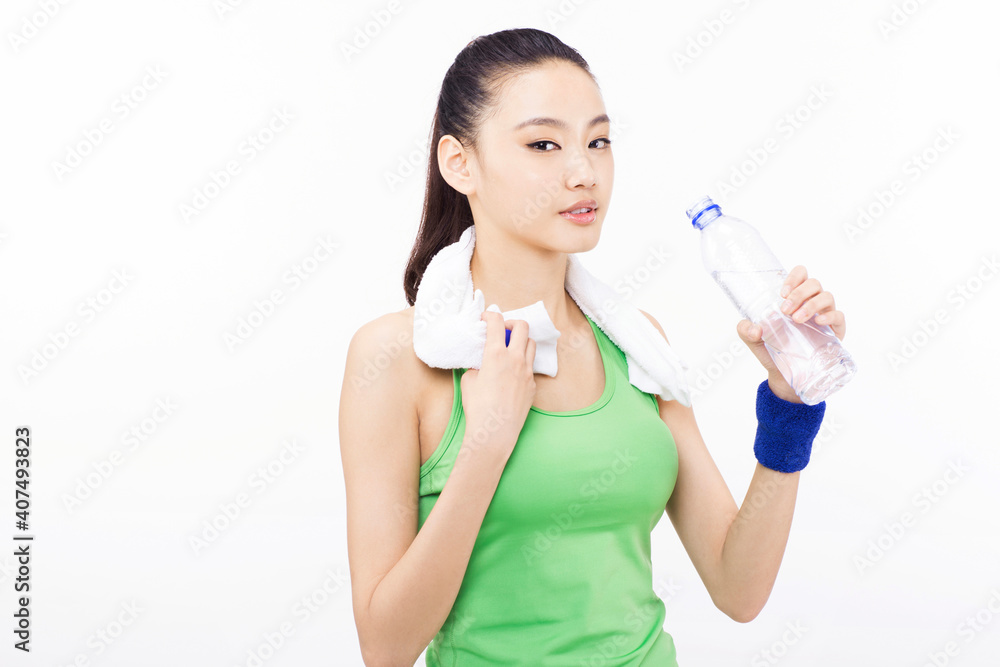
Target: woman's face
526, 173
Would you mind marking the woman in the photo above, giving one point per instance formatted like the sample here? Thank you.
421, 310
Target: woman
536, 554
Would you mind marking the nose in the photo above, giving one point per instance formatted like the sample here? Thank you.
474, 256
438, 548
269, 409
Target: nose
580, 171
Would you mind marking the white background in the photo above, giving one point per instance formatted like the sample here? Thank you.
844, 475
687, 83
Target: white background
683, 129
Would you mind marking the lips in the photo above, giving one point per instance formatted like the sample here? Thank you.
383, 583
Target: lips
582, 206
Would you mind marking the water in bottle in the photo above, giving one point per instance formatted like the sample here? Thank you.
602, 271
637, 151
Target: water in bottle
808, 355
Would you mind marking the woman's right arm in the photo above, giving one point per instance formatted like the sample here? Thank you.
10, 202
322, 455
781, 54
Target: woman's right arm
404, 583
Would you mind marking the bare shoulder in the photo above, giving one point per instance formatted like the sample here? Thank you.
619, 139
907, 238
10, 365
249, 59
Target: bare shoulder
671, 411
655, 324
380, 357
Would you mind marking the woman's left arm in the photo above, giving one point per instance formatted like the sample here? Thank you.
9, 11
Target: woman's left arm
737, 550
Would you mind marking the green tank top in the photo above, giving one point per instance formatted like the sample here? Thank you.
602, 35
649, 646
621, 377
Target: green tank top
560, 573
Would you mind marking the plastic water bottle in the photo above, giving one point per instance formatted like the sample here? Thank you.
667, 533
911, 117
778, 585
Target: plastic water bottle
808, 355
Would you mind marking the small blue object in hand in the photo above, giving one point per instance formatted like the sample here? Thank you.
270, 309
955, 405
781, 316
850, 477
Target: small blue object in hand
507, 342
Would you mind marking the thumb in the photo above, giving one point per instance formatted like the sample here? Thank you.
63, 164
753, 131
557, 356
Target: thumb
748, 331
752, 335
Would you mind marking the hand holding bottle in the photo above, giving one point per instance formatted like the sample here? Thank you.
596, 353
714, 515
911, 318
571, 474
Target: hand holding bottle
795, 333
804, 298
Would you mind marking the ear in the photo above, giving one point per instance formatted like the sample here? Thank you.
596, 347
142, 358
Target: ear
454, 163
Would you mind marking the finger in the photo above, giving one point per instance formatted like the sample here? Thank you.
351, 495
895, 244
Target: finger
800, 295
518, 333
821, 302
494, 329
836, 322
829, 316
748, 330
793, 279
529, 353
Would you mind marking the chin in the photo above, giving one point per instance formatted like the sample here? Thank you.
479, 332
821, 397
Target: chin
579, 238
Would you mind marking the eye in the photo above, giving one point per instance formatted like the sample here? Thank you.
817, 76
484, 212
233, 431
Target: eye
607, 143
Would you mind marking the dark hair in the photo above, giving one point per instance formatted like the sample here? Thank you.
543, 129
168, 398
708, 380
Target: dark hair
471, 86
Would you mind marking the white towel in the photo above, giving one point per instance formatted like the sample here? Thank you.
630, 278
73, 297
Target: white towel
448, 331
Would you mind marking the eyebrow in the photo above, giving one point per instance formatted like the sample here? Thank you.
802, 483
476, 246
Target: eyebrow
561, 124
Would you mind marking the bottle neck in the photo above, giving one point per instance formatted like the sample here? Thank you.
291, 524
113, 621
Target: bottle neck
703, 212
706, 216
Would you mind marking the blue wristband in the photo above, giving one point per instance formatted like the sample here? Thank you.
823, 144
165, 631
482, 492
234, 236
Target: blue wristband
785, 430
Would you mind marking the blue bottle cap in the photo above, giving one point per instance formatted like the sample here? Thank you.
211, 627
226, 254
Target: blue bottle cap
507, 342
703, 212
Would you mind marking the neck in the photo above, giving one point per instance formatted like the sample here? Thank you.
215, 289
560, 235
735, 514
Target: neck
513, 275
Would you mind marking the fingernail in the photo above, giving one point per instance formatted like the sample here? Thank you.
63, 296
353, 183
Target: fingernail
786, 306
785, 291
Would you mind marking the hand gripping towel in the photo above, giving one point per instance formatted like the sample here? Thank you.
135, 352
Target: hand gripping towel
448, 331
